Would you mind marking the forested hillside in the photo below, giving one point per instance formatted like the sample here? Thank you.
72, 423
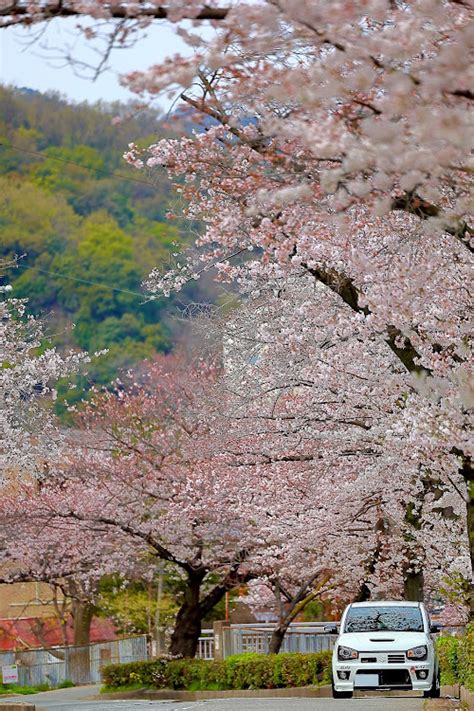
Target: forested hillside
89, 226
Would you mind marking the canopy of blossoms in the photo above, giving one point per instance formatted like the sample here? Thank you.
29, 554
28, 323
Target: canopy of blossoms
332, 150
28, 432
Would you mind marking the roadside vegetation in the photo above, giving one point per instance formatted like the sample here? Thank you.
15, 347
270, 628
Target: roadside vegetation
240, 671
24, 690
268, 671
457, 659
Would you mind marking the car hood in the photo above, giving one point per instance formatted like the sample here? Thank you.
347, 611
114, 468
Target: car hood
381, 641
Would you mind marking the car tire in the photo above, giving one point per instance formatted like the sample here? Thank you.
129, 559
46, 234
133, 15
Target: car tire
341, 694
435, 691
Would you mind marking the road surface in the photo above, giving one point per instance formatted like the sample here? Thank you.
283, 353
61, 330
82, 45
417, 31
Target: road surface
79, 699
389, 704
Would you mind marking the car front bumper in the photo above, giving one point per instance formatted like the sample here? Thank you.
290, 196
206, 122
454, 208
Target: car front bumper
381, 676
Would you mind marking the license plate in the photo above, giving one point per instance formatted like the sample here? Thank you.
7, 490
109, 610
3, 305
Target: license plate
367, 680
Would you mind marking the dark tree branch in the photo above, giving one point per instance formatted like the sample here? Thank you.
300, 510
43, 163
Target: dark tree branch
21, 12
416, 205
345, 288
231, 580
163, 553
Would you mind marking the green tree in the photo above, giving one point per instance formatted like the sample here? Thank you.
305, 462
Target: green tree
90, 228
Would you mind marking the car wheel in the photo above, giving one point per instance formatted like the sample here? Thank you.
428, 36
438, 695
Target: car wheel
435, 691
341, 694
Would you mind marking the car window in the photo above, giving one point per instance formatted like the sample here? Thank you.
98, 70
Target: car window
384, 619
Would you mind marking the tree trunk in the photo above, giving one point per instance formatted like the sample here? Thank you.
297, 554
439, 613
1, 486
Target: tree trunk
79, 654
470, 532
467, 471
278, 636
296, 605
82, 613
413, 582
158, 627
413, 587
187, 629
363, 594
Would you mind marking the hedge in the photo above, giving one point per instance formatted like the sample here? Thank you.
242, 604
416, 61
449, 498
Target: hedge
241, 671
271, 671
456, 655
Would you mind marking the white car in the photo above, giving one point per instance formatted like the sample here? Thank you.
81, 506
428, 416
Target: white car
385, 645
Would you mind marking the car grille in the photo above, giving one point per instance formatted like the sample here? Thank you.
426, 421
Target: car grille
397, 658
395, 678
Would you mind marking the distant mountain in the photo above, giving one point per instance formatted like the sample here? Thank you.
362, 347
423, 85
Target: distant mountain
91, 226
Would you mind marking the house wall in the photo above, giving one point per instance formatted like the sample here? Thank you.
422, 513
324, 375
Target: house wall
26, 600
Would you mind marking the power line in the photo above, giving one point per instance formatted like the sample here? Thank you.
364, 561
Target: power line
85, 281
97, 171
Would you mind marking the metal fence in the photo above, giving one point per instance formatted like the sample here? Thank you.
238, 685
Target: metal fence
81, 665
297, 639
237, 639
205, 648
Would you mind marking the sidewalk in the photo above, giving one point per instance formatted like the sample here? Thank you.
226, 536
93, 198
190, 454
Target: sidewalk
75, 693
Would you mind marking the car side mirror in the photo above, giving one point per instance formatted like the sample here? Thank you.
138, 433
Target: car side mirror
330, 629
434, 629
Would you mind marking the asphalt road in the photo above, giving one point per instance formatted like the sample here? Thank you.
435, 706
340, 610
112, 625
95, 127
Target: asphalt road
79, 699
389, 704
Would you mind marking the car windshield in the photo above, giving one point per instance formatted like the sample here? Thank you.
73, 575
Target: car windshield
384, 619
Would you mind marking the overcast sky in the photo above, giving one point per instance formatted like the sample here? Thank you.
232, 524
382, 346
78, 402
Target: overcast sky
25, 63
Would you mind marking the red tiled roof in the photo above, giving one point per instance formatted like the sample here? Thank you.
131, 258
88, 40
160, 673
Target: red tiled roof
34, 632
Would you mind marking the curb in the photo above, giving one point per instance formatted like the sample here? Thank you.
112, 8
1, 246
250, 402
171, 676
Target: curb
16, 706
170, 695
450, 690
467, 697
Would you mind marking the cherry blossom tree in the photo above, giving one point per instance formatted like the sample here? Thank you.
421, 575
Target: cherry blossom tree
254, 475
313, 393
18, 12
139, 485
28, 371
334, 148
333, 142
307, 407
165, 469
35, 546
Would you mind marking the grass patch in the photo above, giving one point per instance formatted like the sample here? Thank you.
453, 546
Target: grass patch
129, 687
11, 689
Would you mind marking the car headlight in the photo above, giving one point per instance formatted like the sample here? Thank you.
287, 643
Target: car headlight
418, 652
345, 653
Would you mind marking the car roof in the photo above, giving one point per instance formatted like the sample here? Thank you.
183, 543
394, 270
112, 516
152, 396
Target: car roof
386, 603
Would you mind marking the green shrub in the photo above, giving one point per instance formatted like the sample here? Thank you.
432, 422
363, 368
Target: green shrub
66, 684
302, 669
448, 651
456, 656
466, 658
242, 671
250, 671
